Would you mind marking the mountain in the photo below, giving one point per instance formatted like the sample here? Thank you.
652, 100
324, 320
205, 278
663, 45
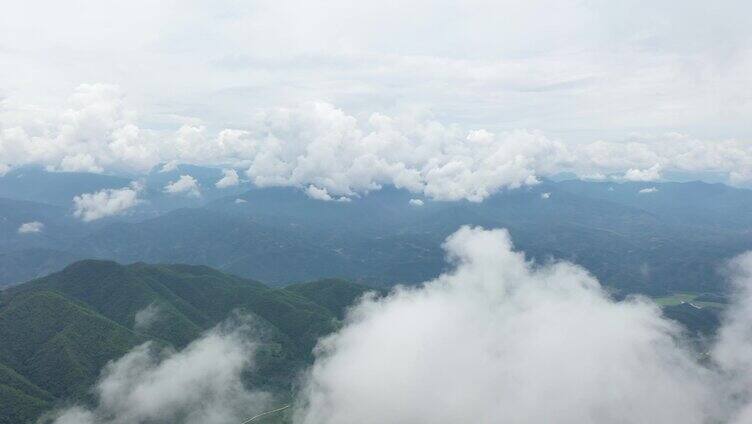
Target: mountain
694, 203
626, 244
334, 295
36, 184
670, 239
57, 226
231, 243
60, 330
57, 188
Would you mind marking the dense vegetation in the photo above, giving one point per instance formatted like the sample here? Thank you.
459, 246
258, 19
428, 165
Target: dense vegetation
60, 330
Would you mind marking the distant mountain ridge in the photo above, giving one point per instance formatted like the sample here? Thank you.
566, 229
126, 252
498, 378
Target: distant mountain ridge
648, 237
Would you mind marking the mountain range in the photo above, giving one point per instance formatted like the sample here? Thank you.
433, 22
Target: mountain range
59, 331
646, 237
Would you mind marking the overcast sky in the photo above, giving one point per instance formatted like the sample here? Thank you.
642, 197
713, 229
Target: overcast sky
577, 71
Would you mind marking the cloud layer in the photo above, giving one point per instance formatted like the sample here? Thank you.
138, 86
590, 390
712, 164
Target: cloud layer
333, 154
200, 384
499, 339
598, 68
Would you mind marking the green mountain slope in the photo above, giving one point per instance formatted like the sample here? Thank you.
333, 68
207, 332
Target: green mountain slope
335, 295
60, 330
59, 344
21, 399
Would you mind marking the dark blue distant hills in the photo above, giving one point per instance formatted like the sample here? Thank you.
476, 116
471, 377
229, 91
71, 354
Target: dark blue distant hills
650, 237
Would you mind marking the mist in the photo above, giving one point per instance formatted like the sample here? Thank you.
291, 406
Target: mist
201, 384
498, 338
502, 339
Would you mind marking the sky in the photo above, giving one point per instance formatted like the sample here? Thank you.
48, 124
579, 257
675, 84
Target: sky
674, 78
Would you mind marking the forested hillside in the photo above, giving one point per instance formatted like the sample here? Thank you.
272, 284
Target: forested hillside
59, 331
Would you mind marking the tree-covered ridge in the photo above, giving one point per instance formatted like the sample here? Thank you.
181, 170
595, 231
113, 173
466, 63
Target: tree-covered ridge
60, 330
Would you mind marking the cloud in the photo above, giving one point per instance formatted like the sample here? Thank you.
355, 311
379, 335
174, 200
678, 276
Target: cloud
229, 179
416, 202
200, 384
318, 193
651, 174
169, 166
108, 202
4, 169
239, 201
545, 195
348, 154
147, 316
186, 184
733, 351
647, 190
323, 194
31, 227
645, 157
322, 147
93, 133
501, 339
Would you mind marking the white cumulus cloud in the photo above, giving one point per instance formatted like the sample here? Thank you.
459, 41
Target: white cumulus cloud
318, 193
651, 174
416, 202
648, 190
323, 194
31, 227
93, 133
230, 178
186, 184
321, 146
501, 339
108, 202
346, 153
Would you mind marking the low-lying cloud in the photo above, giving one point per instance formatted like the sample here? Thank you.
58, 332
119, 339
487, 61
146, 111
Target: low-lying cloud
200, 384
229, 178
496, 339
108, 202
31, 227
323, 194
147, 316
500, 339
